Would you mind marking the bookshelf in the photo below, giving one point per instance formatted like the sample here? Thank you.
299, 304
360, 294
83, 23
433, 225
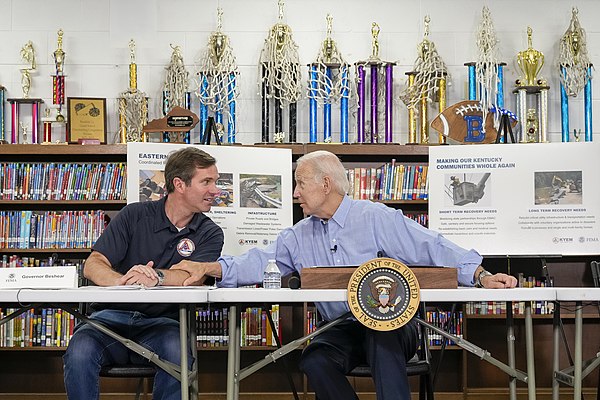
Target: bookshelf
39, 369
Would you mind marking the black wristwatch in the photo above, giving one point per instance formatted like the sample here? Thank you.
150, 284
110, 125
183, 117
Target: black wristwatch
161, 277
481, 275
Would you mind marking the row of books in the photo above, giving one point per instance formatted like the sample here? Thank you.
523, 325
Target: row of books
63, 181
213, 330
41, 327
15, 261
421, 218
451, 322
50, 229
391, 181
499, 307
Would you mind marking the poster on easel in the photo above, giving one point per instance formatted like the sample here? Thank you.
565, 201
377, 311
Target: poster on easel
539, 199
255, 202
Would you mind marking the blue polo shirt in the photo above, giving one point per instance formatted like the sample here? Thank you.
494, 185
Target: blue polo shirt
141, 232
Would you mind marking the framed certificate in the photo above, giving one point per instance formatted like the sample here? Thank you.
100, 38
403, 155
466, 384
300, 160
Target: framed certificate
86, 119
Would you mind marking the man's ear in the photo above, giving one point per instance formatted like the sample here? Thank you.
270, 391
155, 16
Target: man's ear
327, 184
178, 183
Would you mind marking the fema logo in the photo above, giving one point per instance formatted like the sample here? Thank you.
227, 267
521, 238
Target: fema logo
185, 247
383, 294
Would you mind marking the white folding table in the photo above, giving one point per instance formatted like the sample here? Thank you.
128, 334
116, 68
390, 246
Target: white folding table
234, 296
574, 375
185, 297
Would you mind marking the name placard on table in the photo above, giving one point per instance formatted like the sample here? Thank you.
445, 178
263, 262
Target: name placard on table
43, 277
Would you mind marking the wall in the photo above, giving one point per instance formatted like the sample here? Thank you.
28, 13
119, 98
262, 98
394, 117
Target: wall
97, 55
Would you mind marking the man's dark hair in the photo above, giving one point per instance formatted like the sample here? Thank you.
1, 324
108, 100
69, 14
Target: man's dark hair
183, 163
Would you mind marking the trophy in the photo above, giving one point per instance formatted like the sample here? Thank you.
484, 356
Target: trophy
217, 75
54, 113
530, 62
2, 129
133, 106
426, 84
328, 82
279, 79
575, 75
379, 71
28, 68
175, 93
487, 73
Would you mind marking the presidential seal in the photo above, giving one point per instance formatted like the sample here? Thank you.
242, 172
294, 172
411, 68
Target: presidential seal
383, 294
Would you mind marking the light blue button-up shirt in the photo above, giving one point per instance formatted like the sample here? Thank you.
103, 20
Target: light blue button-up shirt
358, 231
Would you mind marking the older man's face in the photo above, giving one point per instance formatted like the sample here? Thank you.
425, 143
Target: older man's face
310, 193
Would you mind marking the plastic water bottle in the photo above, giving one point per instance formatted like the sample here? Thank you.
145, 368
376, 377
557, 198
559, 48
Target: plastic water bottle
272, 276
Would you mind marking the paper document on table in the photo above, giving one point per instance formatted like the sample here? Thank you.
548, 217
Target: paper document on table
140, 287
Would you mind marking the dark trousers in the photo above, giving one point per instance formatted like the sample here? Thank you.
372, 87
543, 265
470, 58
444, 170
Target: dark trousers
335, 352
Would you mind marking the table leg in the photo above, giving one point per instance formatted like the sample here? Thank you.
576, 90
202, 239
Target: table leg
529, 345
233, 354
578, 351
510, 341
183, 340
555, 351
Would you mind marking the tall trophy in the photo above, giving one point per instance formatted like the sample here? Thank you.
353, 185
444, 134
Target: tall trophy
575, 71
279, 79
530, 62
426, 84
27, 70
381, 86
328, 83
2, 118
133, 106
54, 113
217, 82
175, 93
486, 75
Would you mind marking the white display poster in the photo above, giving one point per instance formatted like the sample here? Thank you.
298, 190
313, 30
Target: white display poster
517, 199
255, 203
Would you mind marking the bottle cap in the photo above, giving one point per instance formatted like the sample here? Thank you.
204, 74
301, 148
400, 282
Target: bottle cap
272, 260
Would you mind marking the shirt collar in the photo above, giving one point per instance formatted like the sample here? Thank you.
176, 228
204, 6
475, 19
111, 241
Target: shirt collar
163, 222
341, 213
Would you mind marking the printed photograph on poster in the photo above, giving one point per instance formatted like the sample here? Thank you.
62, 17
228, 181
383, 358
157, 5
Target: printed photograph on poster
260, 191
468, 189
226, 197
558, 187
152, 185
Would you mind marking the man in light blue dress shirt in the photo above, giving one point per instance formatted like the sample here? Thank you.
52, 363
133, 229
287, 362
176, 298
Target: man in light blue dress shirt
342, 231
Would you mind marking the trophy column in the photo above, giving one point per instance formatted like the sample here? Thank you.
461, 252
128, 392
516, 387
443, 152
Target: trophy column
533, 121
328, 82
381, 75
133, 106
2, 118
15, 105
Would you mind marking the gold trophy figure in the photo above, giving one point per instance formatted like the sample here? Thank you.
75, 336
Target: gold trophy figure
530, 62
28, 57
59, 54
375, 43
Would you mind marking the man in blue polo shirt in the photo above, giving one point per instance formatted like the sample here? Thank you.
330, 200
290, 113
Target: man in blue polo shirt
139, 247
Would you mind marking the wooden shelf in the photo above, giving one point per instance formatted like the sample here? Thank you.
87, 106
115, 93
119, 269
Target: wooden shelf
534, 316
71, 149
36, 251
67, 203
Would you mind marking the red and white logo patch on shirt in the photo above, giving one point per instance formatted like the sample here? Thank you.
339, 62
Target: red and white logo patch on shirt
185, 247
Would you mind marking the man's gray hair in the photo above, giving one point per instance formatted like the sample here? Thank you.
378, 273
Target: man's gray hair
324, 164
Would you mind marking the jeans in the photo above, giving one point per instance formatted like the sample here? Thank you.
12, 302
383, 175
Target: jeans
89, 350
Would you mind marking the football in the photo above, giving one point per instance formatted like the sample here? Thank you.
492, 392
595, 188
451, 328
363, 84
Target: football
463, 122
